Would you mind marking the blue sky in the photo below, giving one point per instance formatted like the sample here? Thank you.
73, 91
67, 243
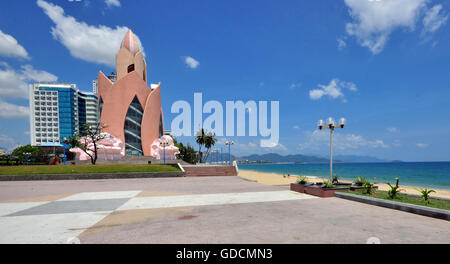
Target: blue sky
383, 65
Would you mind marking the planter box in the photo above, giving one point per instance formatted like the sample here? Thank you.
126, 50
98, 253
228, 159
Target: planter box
316, 190
342, 184
356, 187
296, 187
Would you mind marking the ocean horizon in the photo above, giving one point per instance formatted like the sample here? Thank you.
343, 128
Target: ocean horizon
434, 174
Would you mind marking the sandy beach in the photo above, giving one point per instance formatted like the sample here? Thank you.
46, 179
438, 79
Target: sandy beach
279, 179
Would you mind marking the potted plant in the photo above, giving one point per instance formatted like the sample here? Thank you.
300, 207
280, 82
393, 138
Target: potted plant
302, 180
327, 184
299, 185
335, 179
359, 181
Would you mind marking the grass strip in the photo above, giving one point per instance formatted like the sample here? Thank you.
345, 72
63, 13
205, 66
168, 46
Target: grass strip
404, 198
85, 169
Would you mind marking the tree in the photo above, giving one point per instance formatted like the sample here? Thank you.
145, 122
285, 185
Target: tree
5, 157
210, 141
35, 153
88, 142
187, 153
200, 139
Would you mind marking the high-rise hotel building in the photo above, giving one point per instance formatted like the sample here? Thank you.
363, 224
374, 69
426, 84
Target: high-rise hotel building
57, 111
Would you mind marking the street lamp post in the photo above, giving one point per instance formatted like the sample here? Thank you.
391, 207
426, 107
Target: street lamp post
229, 143
331, 126
64, 148
26, 156
164, 143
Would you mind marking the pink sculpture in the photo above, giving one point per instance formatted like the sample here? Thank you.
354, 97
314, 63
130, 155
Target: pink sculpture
164, 143
108, 148
131, 97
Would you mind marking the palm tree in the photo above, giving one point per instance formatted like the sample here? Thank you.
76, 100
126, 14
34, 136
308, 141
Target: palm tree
200, 139
210, 140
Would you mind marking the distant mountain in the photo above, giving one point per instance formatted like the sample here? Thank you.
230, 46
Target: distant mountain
223, 157
357, 158
273, 157
299, 158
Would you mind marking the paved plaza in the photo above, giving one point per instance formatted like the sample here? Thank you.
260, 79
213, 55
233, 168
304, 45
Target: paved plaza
197, 210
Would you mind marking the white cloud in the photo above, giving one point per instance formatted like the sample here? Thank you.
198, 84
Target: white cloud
434, 19
9, 47
242, 149
296, 127
374, 21
12, 111
396, 143
6, 140
332, 90
97, 44
319, 139
392, 129
112, 3
14, 84
191, 62
29, 73
341, 43
422, 145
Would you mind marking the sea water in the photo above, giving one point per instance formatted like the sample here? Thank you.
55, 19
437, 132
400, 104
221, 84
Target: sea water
421, 174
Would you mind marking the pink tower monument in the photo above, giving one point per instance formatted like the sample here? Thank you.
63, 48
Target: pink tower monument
129, 108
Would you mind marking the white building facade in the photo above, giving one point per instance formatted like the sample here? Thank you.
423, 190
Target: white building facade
58, 111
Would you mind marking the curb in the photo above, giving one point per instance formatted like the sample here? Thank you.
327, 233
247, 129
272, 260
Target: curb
91, 176
410, 208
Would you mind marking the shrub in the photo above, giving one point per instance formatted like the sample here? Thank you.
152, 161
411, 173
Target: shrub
368, 187
394, 189
335, 179
302, 180
187, 153
425, 194
359, 181
327, 184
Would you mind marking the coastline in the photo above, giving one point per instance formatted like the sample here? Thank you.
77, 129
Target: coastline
278, 179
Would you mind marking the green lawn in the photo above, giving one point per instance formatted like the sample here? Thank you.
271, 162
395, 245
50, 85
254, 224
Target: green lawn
85, 169
435, 203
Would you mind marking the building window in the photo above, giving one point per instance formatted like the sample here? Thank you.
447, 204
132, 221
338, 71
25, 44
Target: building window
101, 105
161, 132
130, 68
132, 128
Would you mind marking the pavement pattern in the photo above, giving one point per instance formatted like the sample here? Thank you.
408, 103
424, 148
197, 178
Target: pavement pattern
64, 219
197, 210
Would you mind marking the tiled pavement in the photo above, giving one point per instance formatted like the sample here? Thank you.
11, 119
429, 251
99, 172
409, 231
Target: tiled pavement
197, 210
59, 220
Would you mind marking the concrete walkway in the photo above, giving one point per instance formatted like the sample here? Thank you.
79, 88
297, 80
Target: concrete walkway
197, 210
